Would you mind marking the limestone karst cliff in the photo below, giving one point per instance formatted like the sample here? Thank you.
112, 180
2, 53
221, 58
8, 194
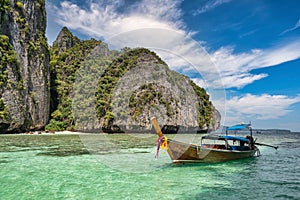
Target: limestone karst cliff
93, 87
24, 88
82, 85
67, 55
138, 85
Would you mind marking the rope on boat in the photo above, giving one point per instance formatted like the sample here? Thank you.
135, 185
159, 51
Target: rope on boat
258, 152
198, 150
159, 141
162, 143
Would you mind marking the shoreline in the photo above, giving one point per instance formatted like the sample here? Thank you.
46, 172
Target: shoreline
47, 133
87, 133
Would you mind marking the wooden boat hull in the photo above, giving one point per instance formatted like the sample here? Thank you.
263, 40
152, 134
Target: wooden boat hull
182, 152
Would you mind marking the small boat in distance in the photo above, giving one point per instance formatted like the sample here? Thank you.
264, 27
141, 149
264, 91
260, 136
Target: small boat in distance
211, 148
170, 129
112, 129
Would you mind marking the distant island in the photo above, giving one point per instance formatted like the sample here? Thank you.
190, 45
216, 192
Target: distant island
279, 131
260, 130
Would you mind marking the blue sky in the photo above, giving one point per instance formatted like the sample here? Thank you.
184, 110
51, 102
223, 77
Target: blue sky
246, 53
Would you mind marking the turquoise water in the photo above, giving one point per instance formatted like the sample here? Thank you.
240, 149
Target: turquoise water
123, 167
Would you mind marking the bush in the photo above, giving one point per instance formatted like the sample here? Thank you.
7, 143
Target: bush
4, 5
4, 113
19, 4
56, 125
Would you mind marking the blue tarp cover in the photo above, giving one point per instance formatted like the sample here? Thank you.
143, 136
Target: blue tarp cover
238, 127
230, 137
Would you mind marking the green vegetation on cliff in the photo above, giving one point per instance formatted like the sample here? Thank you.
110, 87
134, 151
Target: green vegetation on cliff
88, 79
64, 64
150, 95
205, 107
109, 79
4, 113
24, 80
8, 57
4, 7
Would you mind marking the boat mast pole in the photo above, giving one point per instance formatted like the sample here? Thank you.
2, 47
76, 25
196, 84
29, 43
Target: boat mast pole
156, 126
251, 138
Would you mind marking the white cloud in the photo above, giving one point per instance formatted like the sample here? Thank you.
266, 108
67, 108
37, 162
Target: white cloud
260, 107
297, 25
237, 80
157, 25
210, 5
104, 20
235, 68
151, 24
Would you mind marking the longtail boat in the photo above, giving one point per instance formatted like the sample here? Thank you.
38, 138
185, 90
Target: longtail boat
211, 148
170, 129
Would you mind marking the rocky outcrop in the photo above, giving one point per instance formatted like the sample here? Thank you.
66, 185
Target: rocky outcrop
113, 88
139, 85
65, 40
25, 92
125, 89
67, 55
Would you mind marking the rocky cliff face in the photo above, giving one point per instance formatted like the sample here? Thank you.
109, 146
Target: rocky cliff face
124, 88
64, 41
139, 85
25, 90
127, 88
67, 55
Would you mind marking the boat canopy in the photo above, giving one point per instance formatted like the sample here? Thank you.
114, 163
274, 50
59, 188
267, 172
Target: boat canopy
230, 137
238, 127
225, 137
213, 137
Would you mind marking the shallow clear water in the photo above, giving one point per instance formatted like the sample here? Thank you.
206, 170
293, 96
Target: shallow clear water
123, 167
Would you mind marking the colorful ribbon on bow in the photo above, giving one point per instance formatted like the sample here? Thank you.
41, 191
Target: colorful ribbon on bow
162, 143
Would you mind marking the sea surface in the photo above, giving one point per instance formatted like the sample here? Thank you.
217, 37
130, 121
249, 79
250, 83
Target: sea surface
122, 166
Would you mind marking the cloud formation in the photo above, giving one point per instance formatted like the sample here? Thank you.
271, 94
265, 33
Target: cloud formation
102, 19
157, 25
210, 5
260, 107
297, 25
151, 24
235, 68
